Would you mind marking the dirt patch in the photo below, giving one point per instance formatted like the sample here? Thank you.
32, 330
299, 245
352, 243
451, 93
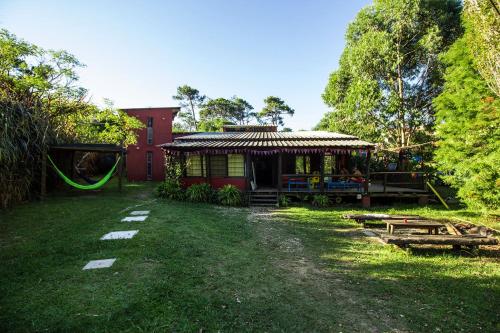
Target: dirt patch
326, 287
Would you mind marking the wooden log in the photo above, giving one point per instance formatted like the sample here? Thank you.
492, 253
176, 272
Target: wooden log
451, 229
440, 240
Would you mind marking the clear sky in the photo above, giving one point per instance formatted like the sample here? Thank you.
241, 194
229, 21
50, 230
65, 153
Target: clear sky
138, 52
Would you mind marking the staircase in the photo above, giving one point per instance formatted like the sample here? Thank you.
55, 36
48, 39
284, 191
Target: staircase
268, 198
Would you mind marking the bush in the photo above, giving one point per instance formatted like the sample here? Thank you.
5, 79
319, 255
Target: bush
200, 193
321, 200
229, 195
283, 201
170, 189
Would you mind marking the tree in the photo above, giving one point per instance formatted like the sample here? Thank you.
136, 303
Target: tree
389, 71
189, 98
41, 104
468, 127
274, 110
483, 23
243, 113
218, 112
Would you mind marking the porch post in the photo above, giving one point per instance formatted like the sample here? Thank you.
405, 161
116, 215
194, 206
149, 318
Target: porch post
322, 172
280, 171
209, 170
248, 162
368, 157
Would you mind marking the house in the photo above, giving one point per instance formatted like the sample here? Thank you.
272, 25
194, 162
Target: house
146, 160
256, 158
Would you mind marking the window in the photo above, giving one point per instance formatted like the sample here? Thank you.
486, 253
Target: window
194, 166
302, 164
235, 165
218, 165
149, 165
150, 131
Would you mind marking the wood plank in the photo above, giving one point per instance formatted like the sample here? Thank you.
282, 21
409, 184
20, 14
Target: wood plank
439, 240
414, 224
451, 229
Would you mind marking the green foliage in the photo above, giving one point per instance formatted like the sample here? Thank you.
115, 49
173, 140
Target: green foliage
200, 193
190, 99
468, 127
229, 195
389, 71
274, 110
283, 201
41, 104
321, 200
482, 20
170, 189
221, 111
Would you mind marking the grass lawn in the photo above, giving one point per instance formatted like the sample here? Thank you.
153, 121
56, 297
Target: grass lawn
195, 267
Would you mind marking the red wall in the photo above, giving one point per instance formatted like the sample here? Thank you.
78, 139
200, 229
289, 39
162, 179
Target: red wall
216, 182
162, 133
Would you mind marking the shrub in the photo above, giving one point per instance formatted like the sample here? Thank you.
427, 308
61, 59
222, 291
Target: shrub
283, 201
202, 192
321, 200
170, 189
229, 195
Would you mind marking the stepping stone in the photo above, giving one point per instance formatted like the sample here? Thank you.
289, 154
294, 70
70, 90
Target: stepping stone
134, 218
140, 212
120, 234
103, 263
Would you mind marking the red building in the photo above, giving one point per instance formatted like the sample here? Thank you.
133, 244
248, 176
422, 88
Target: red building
145, 160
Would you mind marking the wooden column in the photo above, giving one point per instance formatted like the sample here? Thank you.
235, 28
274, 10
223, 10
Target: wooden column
322, 172
248, 162
368, 157
43, 182
120, 169
209, 170
280, 171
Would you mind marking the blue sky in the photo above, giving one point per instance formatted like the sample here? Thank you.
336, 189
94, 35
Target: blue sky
138, 52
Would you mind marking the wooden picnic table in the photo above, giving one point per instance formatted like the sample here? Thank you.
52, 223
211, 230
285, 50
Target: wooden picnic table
413, 224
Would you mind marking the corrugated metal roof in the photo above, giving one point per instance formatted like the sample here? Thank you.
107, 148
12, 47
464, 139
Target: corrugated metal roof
267, 140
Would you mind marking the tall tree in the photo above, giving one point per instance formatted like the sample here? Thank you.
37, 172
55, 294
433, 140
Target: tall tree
389, 71
215, 113
243, 111
190, 99
483, 23
274, 110
468, 126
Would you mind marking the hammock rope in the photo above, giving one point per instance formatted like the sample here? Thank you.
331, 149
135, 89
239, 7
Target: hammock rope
95, 186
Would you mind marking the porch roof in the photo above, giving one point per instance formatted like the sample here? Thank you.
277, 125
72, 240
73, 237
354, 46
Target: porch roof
275, 141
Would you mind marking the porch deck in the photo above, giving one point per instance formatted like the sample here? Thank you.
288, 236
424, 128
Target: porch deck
373, 188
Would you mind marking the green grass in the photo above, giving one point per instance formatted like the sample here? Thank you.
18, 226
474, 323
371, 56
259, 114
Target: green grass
198, 267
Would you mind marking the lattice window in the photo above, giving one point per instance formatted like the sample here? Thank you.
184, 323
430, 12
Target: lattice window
194, 166
218, 165
235, 165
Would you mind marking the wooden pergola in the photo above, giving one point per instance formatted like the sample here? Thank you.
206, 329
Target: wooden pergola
82, 147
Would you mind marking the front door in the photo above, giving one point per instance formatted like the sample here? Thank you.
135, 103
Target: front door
265, 170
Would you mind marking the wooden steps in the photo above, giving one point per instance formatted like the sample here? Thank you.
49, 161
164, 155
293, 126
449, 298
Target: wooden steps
263, 198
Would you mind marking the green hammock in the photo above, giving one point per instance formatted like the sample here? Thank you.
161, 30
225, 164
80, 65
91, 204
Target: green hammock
95, 186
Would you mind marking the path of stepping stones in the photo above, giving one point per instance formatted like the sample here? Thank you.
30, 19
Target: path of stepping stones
135, 216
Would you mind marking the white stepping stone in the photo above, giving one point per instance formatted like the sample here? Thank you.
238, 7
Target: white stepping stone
120, 234
140, 212
134, 219
96, 264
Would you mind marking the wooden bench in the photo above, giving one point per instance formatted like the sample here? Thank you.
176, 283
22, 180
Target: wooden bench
455, 240
430, 226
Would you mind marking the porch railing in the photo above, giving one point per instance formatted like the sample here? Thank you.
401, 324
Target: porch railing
389, 181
